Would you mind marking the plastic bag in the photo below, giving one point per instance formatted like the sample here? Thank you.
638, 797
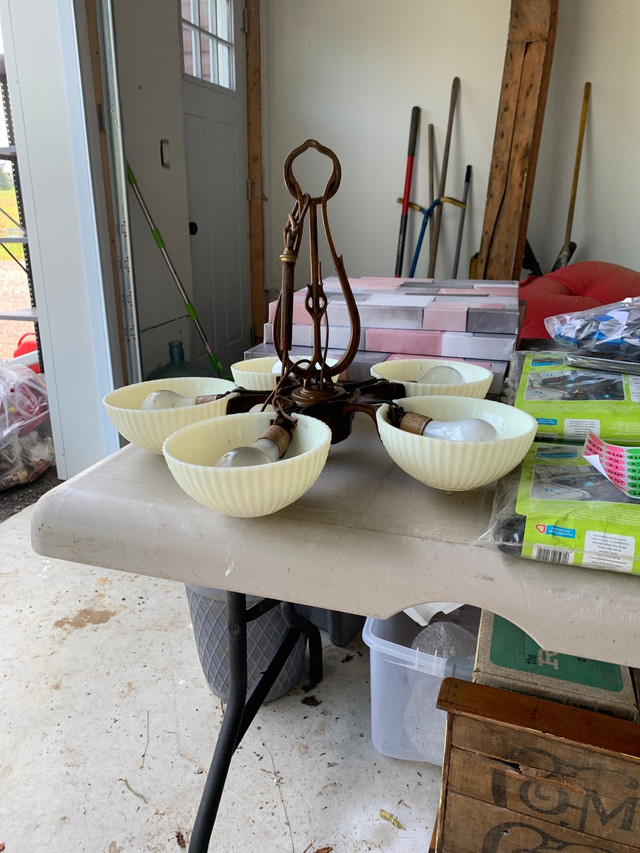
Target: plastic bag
556, 508
569, 401
608, 329
26, 446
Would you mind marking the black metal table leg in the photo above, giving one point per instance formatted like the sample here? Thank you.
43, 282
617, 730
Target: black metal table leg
241, 709
312, 633
228, 736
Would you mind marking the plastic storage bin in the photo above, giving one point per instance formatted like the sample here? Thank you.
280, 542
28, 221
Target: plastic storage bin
208, 609
341, 627
405, 683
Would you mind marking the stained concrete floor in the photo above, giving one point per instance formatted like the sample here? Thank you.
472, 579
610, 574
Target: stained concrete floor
107, 729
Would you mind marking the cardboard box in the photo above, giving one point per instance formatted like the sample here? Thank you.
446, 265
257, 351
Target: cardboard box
431, 305
510, 659
360, 369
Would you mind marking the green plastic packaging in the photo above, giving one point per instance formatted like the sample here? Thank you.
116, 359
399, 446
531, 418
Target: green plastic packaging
568, 402
557, 508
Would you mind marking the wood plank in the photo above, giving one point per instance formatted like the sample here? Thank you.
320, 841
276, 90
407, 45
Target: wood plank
541, 717
549, 757
255, 170
442, 807
568, 803
530, 21
506, 195
525, 83
472, 826
507, 115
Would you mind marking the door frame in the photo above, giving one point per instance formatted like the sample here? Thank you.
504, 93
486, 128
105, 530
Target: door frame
55, 126
254, 165
255, 170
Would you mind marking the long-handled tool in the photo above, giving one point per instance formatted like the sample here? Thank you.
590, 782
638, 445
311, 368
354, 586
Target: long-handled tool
157, 236
569, 248
433, 248
426, 213
432, 172
413, 135
465, 195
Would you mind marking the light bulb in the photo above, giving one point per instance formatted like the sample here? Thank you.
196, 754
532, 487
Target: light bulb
441, 374
466, 429
270, 447
166, 399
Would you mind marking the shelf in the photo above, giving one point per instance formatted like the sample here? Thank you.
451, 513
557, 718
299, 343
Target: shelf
13, 229
12, 235
24, 315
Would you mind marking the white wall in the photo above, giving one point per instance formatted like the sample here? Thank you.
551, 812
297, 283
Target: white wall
597, 42
348, 74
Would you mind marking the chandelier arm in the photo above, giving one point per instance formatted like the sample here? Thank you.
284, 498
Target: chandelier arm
283, 321
352, 307
316, 301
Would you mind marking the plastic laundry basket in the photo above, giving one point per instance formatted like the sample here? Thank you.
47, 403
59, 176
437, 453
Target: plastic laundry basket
208, 608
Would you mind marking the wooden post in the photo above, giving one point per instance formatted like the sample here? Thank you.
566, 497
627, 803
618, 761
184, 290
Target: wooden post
254, 151
523, 97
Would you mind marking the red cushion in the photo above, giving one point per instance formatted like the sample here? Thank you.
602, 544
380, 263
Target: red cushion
574, 288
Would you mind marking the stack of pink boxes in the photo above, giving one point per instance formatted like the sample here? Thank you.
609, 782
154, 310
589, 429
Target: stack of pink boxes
475, 321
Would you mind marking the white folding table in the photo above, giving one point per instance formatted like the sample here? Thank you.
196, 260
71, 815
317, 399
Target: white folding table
365, 539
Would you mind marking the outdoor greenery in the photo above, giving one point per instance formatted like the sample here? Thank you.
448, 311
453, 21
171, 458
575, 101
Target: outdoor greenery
9, 205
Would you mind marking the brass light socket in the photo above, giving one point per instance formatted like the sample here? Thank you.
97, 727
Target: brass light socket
414, 422
207, 398
279, 436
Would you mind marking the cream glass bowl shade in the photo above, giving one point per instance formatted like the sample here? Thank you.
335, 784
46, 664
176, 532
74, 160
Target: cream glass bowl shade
256, 374
247, 492
476, 380
149, 429
458, 465
262, 374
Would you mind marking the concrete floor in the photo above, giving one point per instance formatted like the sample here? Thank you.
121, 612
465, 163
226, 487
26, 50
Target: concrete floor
108, 728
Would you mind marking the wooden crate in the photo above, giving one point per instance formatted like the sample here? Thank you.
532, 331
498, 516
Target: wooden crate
526, 774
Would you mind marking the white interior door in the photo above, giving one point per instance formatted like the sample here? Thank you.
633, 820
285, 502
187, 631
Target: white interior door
214, 93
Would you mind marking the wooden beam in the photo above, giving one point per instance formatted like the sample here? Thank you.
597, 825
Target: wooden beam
523, 98
255, 171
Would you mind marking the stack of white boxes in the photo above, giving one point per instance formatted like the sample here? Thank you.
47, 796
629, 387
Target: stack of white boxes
474, 321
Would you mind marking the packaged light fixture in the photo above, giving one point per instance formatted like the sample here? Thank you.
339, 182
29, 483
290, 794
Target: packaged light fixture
557, 508
570, 401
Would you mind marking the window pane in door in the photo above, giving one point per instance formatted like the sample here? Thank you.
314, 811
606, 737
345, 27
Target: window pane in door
189, 51
207, 48
190, 10
225, 66
208, 41
207, 20
224, 20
